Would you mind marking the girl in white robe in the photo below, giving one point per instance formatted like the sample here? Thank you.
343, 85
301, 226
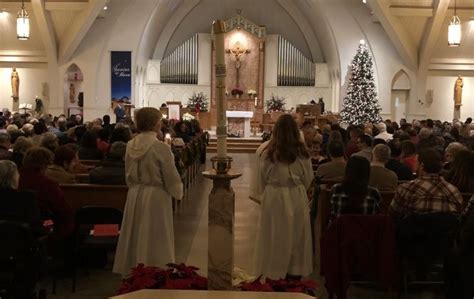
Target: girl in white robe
147, 234
284, 243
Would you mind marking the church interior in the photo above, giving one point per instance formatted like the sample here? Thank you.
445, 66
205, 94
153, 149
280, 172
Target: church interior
202, 114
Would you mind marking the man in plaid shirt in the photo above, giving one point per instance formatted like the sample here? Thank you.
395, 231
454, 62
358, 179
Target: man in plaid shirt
429, 193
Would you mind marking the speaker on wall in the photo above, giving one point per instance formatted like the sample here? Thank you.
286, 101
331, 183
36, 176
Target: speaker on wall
80, 99
429, 96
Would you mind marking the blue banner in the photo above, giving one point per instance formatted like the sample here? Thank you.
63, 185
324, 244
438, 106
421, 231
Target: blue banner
121, 70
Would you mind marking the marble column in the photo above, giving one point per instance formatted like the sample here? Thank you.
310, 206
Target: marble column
221, 231
222, 197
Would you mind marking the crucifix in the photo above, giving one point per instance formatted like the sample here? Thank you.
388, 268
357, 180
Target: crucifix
238, 51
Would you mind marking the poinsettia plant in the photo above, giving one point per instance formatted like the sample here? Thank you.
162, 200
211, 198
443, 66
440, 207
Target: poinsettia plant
176, 277
237, 91
283, 285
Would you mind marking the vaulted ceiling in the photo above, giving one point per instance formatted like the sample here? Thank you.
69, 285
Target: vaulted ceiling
418, 29
57, 27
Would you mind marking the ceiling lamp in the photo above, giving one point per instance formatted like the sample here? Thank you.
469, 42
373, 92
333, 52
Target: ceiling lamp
23, 23
454, 30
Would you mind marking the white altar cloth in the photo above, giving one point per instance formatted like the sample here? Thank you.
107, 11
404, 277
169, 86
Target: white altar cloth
246, 115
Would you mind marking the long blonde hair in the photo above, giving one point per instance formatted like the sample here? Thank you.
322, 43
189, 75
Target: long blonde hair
286, 144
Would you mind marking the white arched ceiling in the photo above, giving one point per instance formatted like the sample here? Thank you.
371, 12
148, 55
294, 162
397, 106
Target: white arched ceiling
279, 16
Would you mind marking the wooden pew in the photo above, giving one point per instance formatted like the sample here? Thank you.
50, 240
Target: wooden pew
81, 195
82, 178
90, 163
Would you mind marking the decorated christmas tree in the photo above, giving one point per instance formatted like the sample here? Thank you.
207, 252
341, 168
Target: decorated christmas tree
361, 104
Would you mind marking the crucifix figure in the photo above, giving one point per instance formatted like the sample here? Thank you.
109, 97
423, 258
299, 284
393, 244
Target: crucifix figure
238, 51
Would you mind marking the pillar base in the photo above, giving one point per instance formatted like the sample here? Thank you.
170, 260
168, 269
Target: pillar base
221, 230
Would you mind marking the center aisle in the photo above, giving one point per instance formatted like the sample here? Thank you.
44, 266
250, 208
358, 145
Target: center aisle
246, 218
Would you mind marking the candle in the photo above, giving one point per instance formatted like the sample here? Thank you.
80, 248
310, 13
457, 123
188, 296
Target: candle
168, 138
221, 132
256, 101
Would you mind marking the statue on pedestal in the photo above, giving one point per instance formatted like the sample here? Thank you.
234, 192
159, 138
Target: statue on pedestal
458, 86
15, 80
72, 93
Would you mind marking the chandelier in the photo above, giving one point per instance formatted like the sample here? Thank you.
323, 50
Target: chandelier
454, 30
23, 23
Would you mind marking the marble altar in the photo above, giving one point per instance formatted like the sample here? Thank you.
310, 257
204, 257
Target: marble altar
239, 122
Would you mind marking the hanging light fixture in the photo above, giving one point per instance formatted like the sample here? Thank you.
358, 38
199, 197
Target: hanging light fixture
454, 30
23, 23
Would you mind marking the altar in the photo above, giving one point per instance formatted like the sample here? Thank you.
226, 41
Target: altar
238, 123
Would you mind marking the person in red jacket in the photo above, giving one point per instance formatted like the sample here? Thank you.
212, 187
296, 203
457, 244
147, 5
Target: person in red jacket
48, 194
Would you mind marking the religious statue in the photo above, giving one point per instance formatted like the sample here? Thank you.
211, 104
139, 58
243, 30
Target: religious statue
15, 78
458, 86
72, 93
238, 51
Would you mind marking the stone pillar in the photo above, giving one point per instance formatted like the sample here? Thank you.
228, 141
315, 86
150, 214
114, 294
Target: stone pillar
221, 231
222, 198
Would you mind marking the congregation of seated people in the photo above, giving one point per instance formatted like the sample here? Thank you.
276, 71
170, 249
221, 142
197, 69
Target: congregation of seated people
427, 165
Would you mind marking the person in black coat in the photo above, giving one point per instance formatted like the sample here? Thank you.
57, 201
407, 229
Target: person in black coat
17, 206
111, 171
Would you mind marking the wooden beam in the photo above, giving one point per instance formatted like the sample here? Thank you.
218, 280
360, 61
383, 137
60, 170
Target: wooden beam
427, 12
45, 26
80, 27
431, 35
66, 5
396, 32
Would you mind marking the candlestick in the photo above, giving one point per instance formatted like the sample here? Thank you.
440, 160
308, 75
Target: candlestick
221, 132
168, 138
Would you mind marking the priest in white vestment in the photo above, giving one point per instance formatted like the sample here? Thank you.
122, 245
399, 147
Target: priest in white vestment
147, 234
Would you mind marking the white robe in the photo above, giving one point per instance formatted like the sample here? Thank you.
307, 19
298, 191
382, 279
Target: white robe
284, 243
147, 234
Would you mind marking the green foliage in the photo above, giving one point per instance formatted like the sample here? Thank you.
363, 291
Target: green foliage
361, 104
275, 103
200, 100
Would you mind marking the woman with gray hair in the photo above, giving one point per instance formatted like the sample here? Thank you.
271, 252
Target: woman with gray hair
17, 205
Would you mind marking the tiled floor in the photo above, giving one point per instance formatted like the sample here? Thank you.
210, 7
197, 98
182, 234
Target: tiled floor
191, 242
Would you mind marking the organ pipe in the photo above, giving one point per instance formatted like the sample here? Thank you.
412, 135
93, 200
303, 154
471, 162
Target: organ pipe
181, 65
294, 69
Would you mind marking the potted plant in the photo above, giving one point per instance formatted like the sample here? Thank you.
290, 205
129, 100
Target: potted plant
176, 276
237, 92
283, 285
252, 93
275, 103
198, 102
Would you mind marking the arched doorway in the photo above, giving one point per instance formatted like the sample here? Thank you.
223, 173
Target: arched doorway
73, 90
400, 93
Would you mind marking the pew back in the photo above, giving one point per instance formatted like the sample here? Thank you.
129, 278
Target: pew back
81, 195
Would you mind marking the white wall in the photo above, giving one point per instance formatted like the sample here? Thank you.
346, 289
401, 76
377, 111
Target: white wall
443, 90
33, 76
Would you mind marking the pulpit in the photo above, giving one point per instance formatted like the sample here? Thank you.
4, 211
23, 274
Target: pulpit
238, 123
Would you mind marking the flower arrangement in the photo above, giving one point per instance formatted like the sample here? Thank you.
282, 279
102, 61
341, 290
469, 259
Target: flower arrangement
275, 103
198, 102
283, 285
251, 93
188, 116
237, 92
176, 277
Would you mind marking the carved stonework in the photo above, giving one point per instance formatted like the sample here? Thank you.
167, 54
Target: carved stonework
240, 22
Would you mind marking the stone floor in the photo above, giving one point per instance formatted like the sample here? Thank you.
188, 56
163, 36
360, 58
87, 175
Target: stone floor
191, 243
